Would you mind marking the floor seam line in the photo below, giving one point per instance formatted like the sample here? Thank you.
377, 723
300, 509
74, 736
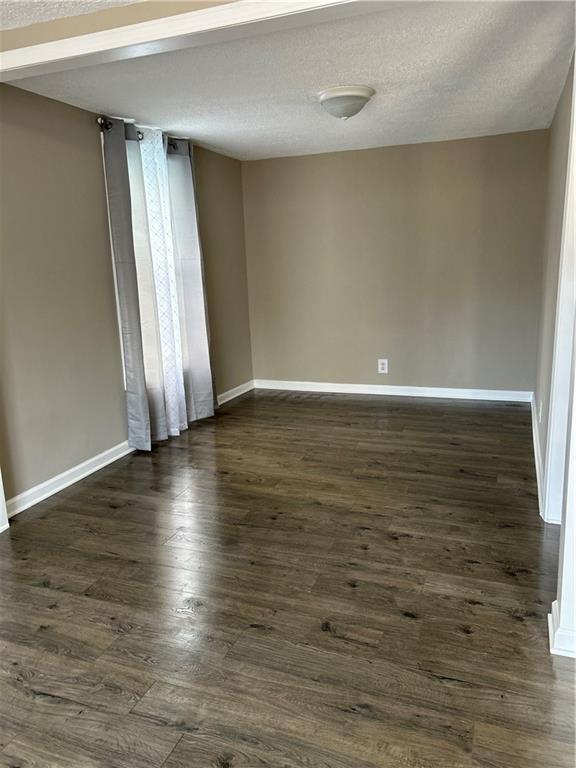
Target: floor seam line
171, 751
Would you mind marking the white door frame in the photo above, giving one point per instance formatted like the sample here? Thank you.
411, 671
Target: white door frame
555, 460
3, 510
561, 453
562, 618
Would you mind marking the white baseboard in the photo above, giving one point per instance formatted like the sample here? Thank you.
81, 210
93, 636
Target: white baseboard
562, 640
230, 394
498, 395
538, 460
4, 528
64, 479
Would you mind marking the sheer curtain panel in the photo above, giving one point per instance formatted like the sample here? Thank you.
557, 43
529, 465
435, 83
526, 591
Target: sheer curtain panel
198, 382
173, 329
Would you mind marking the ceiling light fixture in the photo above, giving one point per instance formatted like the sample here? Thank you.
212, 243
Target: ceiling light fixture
344, 101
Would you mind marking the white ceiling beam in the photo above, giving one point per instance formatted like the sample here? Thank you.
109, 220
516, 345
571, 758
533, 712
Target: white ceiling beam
185, 30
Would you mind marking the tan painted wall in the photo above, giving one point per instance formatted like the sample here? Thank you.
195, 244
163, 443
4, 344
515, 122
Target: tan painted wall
427, 254
61, 388
109, 18
219, 188
557, 160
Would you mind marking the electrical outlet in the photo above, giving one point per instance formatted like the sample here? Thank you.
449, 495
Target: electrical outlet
383, 366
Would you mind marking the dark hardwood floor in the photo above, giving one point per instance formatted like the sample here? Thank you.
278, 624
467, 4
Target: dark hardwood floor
305, 581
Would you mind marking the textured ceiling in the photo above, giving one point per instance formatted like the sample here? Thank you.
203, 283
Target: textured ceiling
440, 70
21, 13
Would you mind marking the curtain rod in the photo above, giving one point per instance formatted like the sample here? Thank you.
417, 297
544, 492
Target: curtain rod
105, 124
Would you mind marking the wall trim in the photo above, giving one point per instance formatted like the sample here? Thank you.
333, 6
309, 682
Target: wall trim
170, 33
231, 394
539, 462
49, 487
560, 382
496, 395
3, 510
562, 640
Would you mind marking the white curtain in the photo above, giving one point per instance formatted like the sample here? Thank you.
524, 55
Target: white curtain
198, 381
171, 300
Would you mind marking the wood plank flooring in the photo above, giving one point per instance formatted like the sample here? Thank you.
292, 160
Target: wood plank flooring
304, 581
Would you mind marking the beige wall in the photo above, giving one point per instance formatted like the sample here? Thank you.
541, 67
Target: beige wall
428, 255
61, 396
219, 191
61, 388
558, 160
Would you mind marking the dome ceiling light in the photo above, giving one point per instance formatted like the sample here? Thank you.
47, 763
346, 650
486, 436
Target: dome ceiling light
344, 101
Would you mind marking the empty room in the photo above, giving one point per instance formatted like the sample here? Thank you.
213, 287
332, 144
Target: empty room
287, 384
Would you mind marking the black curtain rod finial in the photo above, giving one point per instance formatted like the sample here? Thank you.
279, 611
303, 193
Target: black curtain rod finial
104, 123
